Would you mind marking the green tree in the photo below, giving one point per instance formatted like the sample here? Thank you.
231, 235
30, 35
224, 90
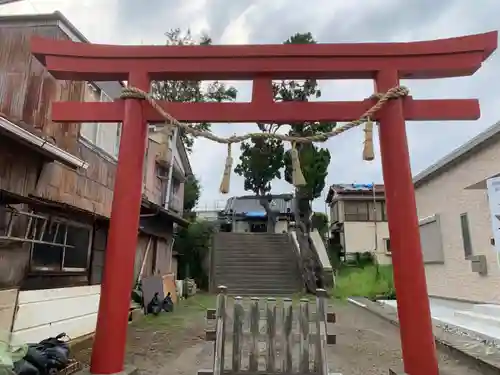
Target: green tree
320, 222
192, 192
261, 162
259, 169
191, 91
193, 246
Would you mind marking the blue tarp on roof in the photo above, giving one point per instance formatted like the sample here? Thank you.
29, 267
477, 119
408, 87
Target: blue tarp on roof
362, 186
255, 214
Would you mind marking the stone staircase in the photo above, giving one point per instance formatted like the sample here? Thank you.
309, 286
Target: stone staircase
256, 264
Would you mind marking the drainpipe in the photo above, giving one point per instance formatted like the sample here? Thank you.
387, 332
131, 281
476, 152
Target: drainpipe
171, 169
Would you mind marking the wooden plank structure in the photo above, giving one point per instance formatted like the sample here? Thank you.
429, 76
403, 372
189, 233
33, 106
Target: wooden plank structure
266, 338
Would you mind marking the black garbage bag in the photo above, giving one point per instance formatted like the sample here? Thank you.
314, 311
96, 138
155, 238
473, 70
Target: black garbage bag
49, 355
57, 357
56, 350
61, 340
137, 295
154, 306
23, 367
168, 304
37, 357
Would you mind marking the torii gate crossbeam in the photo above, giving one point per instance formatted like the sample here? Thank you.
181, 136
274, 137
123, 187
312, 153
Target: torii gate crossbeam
385, 63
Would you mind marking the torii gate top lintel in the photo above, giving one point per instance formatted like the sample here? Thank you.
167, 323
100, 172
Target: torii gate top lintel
93, 62
262, 63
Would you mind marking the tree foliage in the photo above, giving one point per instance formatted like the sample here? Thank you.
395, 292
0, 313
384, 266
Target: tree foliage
191, 91
193, 246
192, 192
261, 161
320, 222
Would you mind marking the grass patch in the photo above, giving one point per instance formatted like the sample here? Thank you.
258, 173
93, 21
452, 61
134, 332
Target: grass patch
363, 282
184, 312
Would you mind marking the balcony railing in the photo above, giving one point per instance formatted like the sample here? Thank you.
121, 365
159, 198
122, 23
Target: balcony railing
175, 203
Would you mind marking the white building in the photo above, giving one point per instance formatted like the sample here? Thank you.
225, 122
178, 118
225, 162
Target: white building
456, 232
358, 220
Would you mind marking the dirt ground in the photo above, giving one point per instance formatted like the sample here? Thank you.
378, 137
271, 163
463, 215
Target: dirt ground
173, 344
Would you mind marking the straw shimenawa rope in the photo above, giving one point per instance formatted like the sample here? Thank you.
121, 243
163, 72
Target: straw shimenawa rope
298, 177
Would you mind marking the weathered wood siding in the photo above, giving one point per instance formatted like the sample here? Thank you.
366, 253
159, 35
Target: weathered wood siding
18, 170
153, 186
27, 89
26, 92
90, 189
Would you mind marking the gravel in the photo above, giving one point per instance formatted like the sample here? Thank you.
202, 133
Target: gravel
366, 345
369, 345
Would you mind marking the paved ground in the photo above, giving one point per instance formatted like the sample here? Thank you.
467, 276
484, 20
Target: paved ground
366, 345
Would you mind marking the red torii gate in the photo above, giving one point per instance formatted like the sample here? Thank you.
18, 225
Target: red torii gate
385, 63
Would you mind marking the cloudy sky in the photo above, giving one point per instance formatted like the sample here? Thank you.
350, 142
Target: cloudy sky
273, 21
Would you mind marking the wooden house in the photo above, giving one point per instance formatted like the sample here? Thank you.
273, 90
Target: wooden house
56, 189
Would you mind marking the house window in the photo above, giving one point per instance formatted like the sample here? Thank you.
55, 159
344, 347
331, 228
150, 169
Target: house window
106, 136
356, 211
162, 182
60, 246
466, 238
387, 245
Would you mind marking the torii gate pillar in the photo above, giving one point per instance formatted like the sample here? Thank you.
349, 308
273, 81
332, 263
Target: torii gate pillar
409, 280
108, 351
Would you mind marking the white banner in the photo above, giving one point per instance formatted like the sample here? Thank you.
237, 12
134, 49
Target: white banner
493, 186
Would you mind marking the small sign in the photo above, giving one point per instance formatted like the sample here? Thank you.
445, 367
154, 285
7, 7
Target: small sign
493, 187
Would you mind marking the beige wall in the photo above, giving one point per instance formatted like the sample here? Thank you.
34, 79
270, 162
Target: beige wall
360, 237
446, 195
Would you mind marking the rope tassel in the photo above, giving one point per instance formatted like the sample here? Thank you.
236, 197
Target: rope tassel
368, 153
226, 177
297, 176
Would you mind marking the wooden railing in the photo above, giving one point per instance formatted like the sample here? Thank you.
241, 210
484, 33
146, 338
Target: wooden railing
280, 325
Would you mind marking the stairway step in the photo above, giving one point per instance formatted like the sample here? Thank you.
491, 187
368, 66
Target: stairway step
268, 281
253, 256
251, 271
253, 264
262, 292
471, 316
281, 249
239, 248
259, 262
487, 309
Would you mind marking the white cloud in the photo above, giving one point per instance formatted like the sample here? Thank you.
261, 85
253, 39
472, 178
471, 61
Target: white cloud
264, 21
